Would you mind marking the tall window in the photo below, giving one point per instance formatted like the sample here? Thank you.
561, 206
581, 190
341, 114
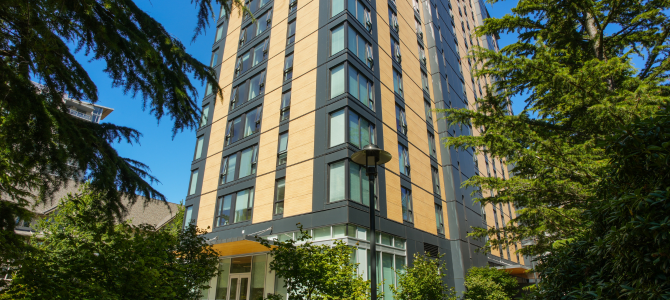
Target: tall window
291, 33
422, 54
407, 210
361, 132
424, 81
397, 82
215, 58
361, 87
282, 151
285, 106
194, 182
360, 47
395, 49
244, 125
293, 6
431, 145
336, 178
239, 165
362, 13
428, 110
419, 31
403, 158
393, 18
205, 116
263, 22
337, 6
234, 208
188, 216
436, 181
439, 219
219, 32
280, 187
337, 39
337, 128
359, 185
337, 81
198, 146
247, 90
288, 67
400, 120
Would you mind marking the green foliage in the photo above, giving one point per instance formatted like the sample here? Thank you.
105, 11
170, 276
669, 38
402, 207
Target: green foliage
316, 271
573, 64
489, 284
77, 257
624, 254
423, 281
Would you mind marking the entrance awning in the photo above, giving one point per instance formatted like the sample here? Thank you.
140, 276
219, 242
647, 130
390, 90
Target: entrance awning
238, 245
518, 271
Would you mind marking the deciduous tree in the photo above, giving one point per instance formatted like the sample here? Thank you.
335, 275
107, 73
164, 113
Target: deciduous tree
424, 280
488, 283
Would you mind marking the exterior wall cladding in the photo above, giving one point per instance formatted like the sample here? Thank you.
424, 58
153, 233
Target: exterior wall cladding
307, 85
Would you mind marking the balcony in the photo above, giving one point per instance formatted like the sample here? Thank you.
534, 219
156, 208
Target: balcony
79, 114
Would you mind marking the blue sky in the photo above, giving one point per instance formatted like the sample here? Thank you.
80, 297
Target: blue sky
168, 158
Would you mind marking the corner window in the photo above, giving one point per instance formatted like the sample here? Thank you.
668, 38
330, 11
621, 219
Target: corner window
407, 210
219, 32
282, 151
337, 39
205, 116
397, 82
198, 146
288, 67
194, 182
244, 125
361, 87
436, 182
234, 208
336, 181
280, 187
361, 131
431, 145
337, 128
239, 165
439, 219
403, 158
336, 7
285, 106
361, 12
359, 185
400, 120
337, 81
290, 39
395, 49
360, 47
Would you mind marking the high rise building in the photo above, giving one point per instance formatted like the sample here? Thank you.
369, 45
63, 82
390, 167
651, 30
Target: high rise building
307, 85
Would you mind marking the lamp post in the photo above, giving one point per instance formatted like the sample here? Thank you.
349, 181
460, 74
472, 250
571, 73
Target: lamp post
371, 156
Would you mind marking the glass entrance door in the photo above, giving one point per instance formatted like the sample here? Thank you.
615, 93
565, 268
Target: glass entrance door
239, 287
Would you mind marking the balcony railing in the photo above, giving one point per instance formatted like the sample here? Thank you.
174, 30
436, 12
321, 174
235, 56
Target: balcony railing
79, 114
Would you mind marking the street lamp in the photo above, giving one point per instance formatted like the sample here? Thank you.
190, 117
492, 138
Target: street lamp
371, 156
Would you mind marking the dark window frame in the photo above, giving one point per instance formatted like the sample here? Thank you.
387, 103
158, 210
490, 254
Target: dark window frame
437, 189
245, 87
347, 183
439, 222
239, 64
285, 109
238, 164
228, 140
282, 154
233, 201
288, 70
347, 135
276, 202
410, 205
401, 120
404, 152
290, 38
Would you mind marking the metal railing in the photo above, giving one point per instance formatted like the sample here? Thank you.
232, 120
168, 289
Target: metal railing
79, 114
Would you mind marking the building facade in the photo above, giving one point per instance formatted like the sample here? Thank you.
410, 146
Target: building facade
307, 85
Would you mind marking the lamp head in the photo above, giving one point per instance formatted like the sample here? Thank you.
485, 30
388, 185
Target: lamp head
371, 155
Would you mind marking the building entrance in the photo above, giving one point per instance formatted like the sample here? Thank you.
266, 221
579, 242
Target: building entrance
239, 286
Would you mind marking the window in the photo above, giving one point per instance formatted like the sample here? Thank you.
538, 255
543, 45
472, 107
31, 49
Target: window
429, 112
431, 145
436, 182
337, 39
416, 5
422, 55
397, 82
280, 187
337, 128
361, 12
262, 3
361, 88
439, 219
188, 218
407, 211
247, 90
285, 106
215, 58
361, 131
337, 6
393, 18
263, 22
337, 81
260, 53
360, 47
219, 32
293, 6
359, 185
400, 120
424, 81
232, 170
234, 208
336, 178
291, 33
198, 146
208, 90
403, 158
244, 125
419, 31
288, 67
194, 181
395, 49
281, 152
205, 116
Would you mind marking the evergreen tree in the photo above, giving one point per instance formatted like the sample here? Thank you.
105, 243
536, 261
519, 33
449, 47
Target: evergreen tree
573, 64
41, 146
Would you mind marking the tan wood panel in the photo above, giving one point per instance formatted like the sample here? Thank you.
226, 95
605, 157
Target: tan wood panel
490, 222
264, 197
393, 197
300, 166
424, 210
